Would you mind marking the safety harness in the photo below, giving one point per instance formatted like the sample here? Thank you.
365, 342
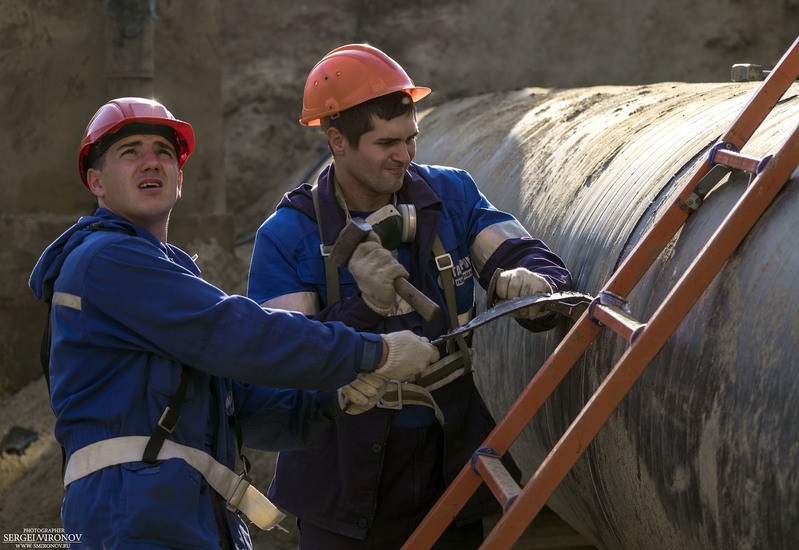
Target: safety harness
239, 494
458, 360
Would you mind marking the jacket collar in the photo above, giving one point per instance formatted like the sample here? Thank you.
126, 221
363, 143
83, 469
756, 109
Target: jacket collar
414, 190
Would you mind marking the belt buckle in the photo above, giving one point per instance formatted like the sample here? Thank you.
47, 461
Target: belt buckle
444, 262
169, 419
383, 405
242, 484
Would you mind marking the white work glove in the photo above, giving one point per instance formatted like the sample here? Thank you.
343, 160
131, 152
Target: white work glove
522, 282
375, 270
361, 394
408, 355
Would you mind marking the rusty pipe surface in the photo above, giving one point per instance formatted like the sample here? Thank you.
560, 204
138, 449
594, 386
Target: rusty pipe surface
704, 451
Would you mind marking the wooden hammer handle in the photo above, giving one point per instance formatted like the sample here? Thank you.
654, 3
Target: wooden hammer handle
426, 307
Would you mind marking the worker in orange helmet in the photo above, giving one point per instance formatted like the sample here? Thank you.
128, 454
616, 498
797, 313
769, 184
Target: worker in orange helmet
157, 377
369, 481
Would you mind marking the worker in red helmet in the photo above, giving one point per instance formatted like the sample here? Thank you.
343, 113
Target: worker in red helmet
369, 481
157, 378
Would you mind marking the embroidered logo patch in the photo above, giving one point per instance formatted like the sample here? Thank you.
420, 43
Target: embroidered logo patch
462, 270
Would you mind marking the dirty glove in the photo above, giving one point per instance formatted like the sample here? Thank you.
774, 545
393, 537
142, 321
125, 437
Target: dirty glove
522, 282
408, 355
375, 270
361, 394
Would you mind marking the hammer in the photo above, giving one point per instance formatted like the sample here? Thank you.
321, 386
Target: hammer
353, 234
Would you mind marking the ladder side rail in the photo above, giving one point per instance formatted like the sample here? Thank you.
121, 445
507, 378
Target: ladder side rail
644, 253
785, 72
554, 369
639, 261
651, 339
585, 330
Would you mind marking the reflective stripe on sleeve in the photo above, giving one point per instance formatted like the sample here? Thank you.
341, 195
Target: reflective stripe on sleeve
66, 300
490, 238
306, 303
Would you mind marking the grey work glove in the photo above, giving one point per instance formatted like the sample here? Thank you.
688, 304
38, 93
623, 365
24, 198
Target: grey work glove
375, 270
408, 355
361, 394
522, 282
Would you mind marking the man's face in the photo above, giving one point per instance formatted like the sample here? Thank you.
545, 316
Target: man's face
138, 179
372, 172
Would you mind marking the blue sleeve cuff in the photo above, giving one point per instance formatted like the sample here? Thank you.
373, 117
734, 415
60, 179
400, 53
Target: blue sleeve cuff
372, 352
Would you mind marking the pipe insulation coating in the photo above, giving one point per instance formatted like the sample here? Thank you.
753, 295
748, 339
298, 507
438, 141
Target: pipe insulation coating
704, 451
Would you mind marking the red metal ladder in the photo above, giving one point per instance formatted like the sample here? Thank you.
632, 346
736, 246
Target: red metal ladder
521, 505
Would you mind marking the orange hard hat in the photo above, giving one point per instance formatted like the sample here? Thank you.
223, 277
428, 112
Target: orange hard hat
350, 75
149, 117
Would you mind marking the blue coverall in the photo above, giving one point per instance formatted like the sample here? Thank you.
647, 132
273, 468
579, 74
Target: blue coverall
136, 313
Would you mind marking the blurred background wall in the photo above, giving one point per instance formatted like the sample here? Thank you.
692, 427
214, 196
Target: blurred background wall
235, 69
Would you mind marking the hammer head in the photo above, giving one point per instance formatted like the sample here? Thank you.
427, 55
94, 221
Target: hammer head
353, 234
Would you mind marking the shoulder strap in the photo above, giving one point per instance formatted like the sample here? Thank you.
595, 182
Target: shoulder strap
168, 421
331, 271
444, 265
447, 279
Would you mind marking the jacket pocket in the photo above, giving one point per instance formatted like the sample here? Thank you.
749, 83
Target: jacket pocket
162, 505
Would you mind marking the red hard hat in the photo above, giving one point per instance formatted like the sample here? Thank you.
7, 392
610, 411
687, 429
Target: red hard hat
117, 113
350, 75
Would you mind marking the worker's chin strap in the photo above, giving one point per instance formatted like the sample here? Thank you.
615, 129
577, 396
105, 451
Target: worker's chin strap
239, 495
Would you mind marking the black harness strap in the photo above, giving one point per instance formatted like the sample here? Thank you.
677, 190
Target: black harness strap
44, 350
331, 270
245, 462
169, 420
44, 358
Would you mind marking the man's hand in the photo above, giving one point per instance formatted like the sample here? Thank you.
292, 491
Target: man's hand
375, 270
361, 394
522, 282
408, 355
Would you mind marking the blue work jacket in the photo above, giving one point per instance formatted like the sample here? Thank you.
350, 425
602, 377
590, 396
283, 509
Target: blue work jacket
334, 484
137, 314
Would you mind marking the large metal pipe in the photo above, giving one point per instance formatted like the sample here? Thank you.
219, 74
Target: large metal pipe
704, 452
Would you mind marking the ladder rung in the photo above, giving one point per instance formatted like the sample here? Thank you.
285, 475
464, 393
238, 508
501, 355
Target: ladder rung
738, 161
617, 320
488, 464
